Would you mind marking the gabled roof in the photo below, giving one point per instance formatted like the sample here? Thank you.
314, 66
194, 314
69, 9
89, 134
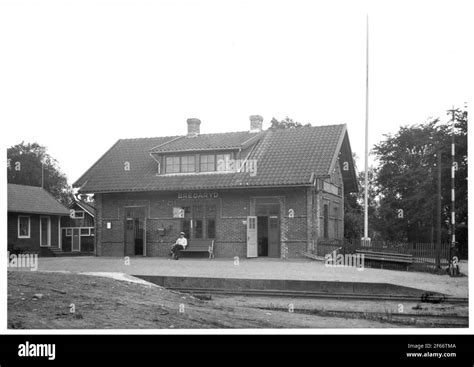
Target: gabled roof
88, 207
289, 157
34, 200
222, 141
111, 165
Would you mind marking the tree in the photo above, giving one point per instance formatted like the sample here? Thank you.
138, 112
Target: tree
354, 208
287, 123
353, 216
25, 163
406, 179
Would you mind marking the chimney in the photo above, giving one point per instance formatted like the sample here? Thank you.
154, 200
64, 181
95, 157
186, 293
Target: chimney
256, 123
193, 127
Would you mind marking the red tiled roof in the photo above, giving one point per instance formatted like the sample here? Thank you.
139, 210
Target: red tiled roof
287, 157
33, 199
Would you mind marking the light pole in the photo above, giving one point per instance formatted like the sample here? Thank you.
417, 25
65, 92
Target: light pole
366, 239
454, 267
438, 211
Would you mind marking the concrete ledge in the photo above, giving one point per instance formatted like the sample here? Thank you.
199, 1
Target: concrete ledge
316, 287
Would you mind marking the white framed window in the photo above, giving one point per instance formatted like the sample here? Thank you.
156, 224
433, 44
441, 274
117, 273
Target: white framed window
68, 232
78, 214
202, 163
207, 163
24, 226
172, 165
85, 231
188, 164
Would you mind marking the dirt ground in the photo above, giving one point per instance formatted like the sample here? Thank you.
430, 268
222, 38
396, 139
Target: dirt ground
52, 300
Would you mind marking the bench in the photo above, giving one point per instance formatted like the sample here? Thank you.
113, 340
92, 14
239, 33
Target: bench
206, 246
389, 257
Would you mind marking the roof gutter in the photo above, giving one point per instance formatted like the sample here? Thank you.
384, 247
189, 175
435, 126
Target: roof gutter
35, 212
212, 188
157, 161
194, 150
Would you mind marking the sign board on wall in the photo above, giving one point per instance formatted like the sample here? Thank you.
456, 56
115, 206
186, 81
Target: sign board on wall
198, 195
178, 212
331, 188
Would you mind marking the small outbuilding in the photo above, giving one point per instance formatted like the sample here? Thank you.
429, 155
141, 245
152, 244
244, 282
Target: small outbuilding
34, 220
78, 229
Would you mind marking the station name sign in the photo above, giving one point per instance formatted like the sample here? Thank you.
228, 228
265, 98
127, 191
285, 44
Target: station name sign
198, 195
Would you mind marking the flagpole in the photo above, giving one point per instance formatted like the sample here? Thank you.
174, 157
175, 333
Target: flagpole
366, 209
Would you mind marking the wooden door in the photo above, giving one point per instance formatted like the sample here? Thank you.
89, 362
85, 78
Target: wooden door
139, 234
135, 231
129, 237
252, 241
273, 237
76, 240
66, 240
45, 231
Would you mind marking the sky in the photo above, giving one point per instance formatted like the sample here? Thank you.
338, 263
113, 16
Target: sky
76, 76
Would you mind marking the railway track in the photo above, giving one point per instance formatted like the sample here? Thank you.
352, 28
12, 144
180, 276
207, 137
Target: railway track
420, 319
426, 297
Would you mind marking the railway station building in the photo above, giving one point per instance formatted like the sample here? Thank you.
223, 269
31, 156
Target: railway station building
256, 193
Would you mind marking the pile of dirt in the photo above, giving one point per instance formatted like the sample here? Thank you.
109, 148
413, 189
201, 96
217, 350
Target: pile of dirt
51, 300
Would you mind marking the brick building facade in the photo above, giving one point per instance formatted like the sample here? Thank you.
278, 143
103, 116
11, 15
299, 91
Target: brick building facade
146, 191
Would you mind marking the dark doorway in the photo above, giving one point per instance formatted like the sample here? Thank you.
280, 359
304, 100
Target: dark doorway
268, 229
134, 231
273, 236
262, 236
66, 240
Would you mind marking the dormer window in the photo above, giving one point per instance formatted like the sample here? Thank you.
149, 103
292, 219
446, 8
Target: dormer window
208, 163
172, 165
204, 162
187, 164
180, 164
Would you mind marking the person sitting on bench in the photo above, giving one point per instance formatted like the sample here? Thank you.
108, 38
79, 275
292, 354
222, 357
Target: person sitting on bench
179, 245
